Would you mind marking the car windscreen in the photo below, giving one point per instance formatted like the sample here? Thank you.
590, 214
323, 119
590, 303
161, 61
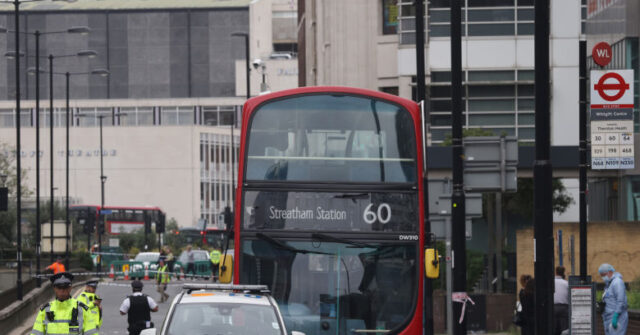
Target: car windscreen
223, 318
147, 257
198, 255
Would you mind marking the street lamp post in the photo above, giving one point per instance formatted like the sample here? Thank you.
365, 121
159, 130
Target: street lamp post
103, 178
67, 75
73, 30
19, 287
83, 53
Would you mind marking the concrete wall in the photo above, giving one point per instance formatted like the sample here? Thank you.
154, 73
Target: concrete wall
611, 242
341, 39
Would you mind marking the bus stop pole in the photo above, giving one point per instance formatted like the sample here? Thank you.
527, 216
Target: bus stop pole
458, 234
542, 176
427, 288
583, 159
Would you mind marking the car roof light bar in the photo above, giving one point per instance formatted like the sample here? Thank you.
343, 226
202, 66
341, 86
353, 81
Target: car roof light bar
226, 287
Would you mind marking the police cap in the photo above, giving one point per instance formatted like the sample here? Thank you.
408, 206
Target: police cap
136, 284
93, 283
62, 279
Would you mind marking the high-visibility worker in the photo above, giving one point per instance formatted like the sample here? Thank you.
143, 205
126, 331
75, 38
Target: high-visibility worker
57, 266
64, 315
163, 278
214, 257
91, 299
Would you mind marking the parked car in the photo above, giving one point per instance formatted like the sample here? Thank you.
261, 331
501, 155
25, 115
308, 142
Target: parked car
149, 262
201, 262
223, 309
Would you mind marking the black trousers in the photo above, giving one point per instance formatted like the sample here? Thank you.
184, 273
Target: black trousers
561, 316
191, 268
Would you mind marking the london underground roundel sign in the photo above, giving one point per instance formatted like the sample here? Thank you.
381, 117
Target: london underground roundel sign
601, 53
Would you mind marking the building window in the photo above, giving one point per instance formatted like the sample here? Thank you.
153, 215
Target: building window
497, 101
479, 18
390, 89
389, 17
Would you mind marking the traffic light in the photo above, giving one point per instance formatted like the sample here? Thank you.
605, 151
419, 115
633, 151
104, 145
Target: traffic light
101, 226
161, 222
89, 224
4, 199
147, 223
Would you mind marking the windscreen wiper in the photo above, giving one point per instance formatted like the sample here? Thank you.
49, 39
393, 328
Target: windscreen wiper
285, 246
352, 196
329, 238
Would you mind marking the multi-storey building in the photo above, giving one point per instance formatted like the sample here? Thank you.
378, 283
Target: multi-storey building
171, 71
371, 44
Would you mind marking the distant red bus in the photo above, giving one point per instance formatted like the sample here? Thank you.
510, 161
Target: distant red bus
119, 219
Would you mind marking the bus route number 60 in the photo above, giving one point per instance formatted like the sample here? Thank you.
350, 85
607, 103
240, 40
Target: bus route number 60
382, 215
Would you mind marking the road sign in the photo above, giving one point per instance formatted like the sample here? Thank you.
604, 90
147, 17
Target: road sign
601, 53
490, 164
106, 212
612, 145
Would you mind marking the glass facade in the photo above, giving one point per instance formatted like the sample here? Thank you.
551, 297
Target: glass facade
479, 18
134, 116
501, 102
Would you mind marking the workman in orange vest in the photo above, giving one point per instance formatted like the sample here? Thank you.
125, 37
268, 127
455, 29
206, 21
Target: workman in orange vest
57, 266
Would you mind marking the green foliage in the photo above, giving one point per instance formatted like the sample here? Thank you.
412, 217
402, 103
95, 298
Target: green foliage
8, 219
521, 202
133, 251
82, 259
468, 132
475, 267
171, 238
136, 239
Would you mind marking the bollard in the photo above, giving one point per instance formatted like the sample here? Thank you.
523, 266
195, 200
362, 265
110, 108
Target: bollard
146, 273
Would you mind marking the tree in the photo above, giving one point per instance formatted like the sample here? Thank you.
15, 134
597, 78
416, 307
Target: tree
8, 219
521, 202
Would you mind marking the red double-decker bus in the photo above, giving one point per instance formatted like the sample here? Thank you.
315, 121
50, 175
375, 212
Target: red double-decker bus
119, 219
328, 209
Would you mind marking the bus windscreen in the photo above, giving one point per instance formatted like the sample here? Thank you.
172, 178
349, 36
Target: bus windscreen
331, 138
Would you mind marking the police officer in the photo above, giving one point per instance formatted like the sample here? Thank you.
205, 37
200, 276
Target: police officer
63, 315
91, 299
163, 279
214, 257
138, 306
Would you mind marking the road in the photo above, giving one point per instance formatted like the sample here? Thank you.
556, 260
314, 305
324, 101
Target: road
113, 293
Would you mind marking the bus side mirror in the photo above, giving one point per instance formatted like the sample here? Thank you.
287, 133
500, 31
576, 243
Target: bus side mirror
431, 263
228, 218
225, 272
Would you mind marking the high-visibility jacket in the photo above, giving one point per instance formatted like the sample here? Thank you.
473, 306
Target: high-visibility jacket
162, 277
56, 267
214, 256
89, 299
64, 317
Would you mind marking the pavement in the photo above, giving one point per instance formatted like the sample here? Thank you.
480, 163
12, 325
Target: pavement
113, 293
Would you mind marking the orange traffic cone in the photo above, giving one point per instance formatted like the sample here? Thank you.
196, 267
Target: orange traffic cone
111, 274
146, 273
126, 273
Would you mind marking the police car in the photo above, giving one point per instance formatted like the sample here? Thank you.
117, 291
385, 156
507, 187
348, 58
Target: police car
219, 309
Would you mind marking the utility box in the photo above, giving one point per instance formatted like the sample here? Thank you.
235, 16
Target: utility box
59, 237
